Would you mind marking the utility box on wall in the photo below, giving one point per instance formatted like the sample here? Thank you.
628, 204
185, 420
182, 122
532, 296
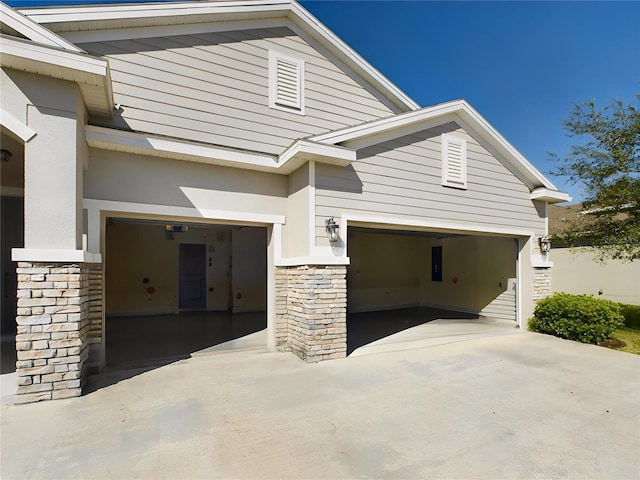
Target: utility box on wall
238, 297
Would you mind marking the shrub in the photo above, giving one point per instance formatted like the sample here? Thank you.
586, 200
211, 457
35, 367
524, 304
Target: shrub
631, 314
577, 317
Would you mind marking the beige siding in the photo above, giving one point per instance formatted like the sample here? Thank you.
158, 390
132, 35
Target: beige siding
156, 181
213, 88
403, 178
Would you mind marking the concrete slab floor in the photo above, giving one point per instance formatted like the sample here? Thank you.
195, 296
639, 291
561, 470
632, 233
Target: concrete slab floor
511, 406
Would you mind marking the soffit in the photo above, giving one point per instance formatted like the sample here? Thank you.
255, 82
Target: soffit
90, 73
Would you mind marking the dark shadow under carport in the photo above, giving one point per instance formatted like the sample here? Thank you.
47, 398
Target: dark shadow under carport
136, 341
366, 327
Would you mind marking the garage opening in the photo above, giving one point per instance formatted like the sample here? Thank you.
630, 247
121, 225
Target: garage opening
400, 279
175, 289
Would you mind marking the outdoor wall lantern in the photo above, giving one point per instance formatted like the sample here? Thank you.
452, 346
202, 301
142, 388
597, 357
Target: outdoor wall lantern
545, 244
5, 155
332, 229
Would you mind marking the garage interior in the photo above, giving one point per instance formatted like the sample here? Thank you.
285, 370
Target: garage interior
172, 289
400, 279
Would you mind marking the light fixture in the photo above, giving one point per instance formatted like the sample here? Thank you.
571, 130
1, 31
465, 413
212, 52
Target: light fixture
332, 229
5, 155
545, 244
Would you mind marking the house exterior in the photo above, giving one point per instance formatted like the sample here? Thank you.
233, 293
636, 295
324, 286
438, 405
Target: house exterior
578, 270
153, 144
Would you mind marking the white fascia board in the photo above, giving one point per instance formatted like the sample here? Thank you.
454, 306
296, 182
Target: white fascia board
371, 74
398, 125
15, 126
144, 14
14, 49
89, 72
550, 196
104, 138
303, 151
432, 225
31, 30
292, 158
377, 127
54, 255
312, 260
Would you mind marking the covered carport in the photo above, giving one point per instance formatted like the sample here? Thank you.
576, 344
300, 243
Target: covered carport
172, 288
401, 278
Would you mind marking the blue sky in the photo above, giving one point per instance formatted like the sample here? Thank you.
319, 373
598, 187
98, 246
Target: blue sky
522, 65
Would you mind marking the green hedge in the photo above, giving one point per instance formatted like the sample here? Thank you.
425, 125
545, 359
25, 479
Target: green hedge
631, 314
577, 317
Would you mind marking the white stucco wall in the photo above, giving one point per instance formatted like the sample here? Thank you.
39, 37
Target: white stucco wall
577, 271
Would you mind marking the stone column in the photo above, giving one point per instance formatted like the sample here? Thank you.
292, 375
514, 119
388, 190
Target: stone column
541, 283
53, 323
315, 313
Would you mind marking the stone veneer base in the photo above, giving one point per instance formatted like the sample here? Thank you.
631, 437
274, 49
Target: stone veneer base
311, 312
53, 326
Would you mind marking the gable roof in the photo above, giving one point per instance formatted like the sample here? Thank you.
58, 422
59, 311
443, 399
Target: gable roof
15, 24
467, 117
29, 47
79, 23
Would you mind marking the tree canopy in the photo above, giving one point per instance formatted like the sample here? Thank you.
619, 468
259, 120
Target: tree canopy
605, 159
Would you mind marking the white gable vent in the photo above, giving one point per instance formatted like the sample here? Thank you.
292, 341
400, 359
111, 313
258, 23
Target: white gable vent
454, 161
286, 83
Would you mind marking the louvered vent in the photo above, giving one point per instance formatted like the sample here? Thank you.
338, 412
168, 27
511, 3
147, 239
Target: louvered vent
287, 84
454, 162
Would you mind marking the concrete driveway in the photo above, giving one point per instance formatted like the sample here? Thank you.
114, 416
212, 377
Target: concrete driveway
497, 406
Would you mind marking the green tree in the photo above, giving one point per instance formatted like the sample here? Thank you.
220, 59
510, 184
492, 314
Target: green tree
605, 160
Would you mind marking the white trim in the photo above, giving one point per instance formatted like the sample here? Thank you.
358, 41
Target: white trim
540, 261
432, 225
53, 255
549, 196
143, 210
397, 125
295, 105
451, 177
312, 260
518, 282
15, 126
87, 64
90, 73
363, 68
312, 207
141, 143
34, 32
302, 151
289, 160
125, 33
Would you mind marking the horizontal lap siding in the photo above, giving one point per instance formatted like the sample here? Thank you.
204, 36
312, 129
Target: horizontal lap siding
213, 88
402, 178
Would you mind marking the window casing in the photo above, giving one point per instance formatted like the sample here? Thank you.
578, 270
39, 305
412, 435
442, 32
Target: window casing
286, 83
454, 161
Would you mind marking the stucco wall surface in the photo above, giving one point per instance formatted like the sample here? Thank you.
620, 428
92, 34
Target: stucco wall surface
577, 271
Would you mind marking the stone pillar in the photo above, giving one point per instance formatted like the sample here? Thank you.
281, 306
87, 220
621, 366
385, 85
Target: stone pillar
315, 314
53, 323
541, 283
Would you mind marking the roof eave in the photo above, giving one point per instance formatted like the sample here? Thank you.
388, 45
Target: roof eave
90, 73
460, 110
